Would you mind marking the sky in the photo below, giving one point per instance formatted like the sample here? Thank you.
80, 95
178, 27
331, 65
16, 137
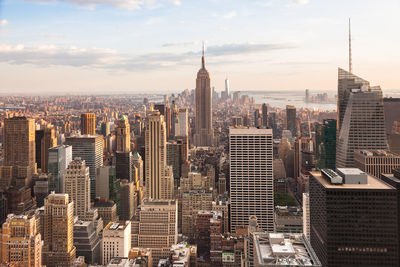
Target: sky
141, 46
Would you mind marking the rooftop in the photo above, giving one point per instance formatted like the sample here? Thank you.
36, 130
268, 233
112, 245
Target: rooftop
376, 153
372, 183
278, 249
116, 226
238, 130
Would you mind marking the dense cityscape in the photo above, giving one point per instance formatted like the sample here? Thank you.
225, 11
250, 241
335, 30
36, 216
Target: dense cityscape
203, 177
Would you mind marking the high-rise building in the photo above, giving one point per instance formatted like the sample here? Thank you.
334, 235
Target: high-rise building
157, 227
306, 215
19, 146
182, 125
128, 199
353, 218
159, 176
376, 162
123, 135
251, 177
48, 141
59, 159
394, 181
124, 165
88, 123
174, 159
192, 202
307, 98
138, 164
291, 119
38, 147
77, 186
58, 247
90, 149
227, 87
392, 112
107, 184
208, 235
325, 136
105, 128
257, 118
20, 242
264, 110
204, 132
87, 241
116, 241
361, 118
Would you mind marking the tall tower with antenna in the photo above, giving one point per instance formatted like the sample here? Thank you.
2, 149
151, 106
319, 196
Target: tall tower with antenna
204, 132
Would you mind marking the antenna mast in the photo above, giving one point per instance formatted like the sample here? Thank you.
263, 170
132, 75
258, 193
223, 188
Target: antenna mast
350, 59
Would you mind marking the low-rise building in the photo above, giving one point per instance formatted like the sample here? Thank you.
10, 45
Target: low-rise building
283, 249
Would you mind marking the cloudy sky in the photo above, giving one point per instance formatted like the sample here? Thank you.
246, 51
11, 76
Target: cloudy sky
100, 46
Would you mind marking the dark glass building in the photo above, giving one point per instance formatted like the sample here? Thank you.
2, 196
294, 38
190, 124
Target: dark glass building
325, 135
354, 219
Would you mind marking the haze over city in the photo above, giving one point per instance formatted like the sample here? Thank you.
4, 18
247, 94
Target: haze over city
130, 46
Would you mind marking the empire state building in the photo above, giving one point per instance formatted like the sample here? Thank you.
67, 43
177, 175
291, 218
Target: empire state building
204, 133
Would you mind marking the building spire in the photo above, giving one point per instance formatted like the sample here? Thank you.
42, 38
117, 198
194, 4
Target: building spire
203, 65
350, 59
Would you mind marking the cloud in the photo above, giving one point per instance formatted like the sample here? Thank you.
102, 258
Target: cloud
181, 44
244, 48
3, 22
299, 2
230, 15
123, 4
51, 55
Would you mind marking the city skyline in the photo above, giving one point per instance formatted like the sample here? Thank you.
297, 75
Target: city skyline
73, 46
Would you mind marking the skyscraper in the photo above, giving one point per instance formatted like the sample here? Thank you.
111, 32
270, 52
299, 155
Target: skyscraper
325, 135
59, 159
127, 200
159, 176
90, 149
353, 218
227, 87
88, 123
361, 118
204, 132
291, 120
264, 115
123, 135
77, 186
251, 177
19, 146
181, 127
157, 227
48, 141
20, 242
58, 250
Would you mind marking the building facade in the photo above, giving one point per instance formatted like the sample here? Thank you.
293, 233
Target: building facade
58, 250
20, 242
251, 177
159, 176
376, 162
361, 118
90, 149
353, 218
88, 123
